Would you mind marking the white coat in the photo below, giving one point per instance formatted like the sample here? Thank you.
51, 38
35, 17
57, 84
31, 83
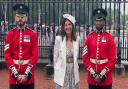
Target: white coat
60, 60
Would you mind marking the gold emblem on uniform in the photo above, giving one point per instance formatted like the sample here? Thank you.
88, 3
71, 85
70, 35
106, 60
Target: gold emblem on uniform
98, 11
21, 7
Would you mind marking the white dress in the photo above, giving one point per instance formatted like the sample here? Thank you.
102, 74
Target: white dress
69, 80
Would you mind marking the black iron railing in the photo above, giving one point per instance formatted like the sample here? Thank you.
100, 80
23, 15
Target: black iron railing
45, 18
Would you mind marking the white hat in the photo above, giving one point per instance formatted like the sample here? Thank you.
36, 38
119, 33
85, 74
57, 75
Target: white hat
70, 18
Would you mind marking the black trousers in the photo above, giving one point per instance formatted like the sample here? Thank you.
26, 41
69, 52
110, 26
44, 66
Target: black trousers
100, 87
20, 86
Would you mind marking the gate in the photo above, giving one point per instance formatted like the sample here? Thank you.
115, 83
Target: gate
45, 18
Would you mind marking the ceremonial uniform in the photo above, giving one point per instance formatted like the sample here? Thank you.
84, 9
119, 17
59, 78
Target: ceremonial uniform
99, 54
21, 51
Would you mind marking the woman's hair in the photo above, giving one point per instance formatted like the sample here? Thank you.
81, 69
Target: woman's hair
63, 33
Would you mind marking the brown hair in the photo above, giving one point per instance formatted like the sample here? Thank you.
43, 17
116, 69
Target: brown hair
63, 33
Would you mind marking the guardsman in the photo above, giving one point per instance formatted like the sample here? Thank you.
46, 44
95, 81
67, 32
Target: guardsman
99, 54
21, 51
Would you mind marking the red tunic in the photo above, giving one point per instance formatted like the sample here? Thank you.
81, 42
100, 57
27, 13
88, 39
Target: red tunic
21, 45
99, 47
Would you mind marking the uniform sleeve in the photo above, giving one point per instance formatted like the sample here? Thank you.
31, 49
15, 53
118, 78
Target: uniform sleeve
112, 55
86, 59
34, 51
7, 50
56, 51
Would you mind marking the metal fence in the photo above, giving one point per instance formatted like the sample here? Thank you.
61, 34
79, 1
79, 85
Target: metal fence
45, 18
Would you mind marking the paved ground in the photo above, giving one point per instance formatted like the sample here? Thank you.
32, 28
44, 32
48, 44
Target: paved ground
120, 82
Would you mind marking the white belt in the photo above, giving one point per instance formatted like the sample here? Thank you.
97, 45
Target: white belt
21, 62
95, 61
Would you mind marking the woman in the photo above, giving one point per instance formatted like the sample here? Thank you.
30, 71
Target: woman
66, 48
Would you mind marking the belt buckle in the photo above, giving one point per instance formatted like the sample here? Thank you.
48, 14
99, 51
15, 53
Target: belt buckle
97, 61
20, 62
